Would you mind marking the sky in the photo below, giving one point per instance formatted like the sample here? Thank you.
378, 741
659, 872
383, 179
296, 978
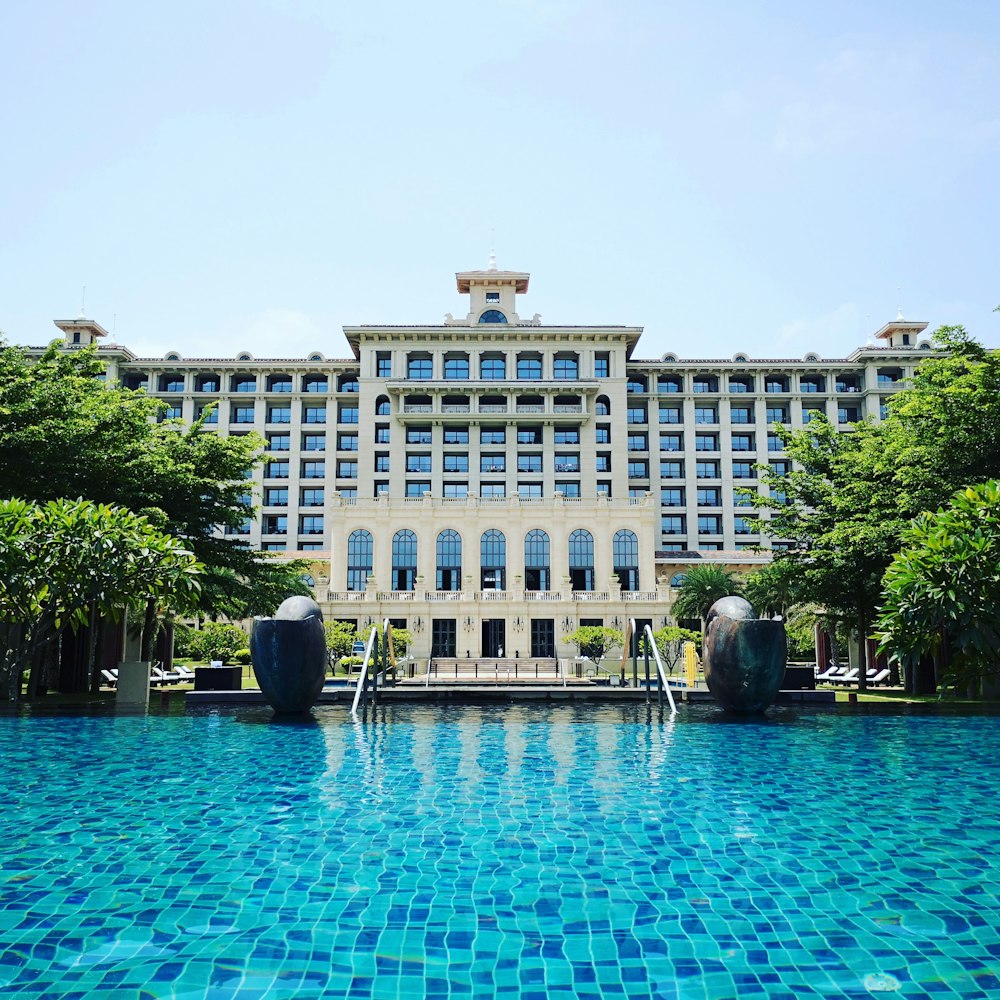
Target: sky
770, 178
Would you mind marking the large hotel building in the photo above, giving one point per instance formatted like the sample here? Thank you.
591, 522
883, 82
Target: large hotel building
493, 482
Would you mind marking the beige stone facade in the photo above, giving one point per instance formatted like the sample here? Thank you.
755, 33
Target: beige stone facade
493, 482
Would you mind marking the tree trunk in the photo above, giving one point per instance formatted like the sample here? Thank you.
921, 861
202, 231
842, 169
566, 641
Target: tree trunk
96, 647
863, 651
148, 632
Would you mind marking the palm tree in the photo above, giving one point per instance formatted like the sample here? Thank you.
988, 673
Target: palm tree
701, 587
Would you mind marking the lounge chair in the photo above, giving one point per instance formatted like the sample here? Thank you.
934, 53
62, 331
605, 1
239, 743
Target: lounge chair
110, 677
849, 677
833, 671
881, 677
186, 673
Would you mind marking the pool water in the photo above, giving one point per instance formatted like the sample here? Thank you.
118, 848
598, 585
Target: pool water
524, 851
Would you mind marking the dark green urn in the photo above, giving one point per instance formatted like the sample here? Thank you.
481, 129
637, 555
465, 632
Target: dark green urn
288, 653
743, 656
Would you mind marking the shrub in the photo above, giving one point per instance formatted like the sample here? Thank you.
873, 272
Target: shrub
242, 656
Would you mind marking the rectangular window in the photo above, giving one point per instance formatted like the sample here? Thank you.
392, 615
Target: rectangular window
529, 435
638, 470
313, 497
672, 498
456, 435
636, 415
317, 470
671, 470
454, 462
709, 497
638, 442
707, 470
529, 463
529, 491
345, 470
779, 468
276, 497
744, 470
345, 415
741, 414
242, 415
706, 442
742, 526
312, 414
418, 435
417, 488
174, 413
383, 364
603, 434
492, 490
670, 414
529, 368
492, 369
706, 415
275, 524
566, 435
492, 435
565, 367
493, 463
672, 524
314, 442
568, 487
671, 442
603, 461
743, 442
602, 364
705, 383
419, 366
347, 442
456, 490
774, 443
210, 416
273, 547
279, 442
418, 463
777, 414
567, 462
708, 524
311, 524
741, 499
276, 470
604, 487
381, 461
808, 412
381, 433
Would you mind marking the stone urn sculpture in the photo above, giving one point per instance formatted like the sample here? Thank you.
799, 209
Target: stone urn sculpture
288, 654
744, 656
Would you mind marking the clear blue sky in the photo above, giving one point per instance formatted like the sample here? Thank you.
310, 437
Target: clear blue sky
732, 176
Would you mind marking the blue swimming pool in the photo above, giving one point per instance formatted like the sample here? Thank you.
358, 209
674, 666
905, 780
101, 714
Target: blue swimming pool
525, 851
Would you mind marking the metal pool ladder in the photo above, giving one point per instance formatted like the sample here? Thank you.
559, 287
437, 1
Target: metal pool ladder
632, 642
378, 649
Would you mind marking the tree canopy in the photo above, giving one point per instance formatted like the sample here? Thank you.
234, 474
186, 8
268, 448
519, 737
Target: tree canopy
701, 587
64, 562
65, 433
942, 590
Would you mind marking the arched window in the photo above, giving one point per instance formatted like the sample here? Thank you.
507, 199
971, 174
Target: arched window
308, 580
677, 579
382, 406
492, 316
359, 559
449, 560
536, 560
581, 560
404, 560
493, 560
625, 554
602, 407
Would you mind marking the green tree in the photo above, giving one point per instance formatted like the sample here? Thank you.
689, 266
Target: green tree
670, 642
64, 563
339, 639
774, 589
942, 591
216, 641
700, 588
65, 433
595, 641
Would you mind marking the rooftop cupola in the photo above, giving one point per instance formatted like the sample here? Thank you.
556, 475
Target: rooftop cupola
900, 332
80, 331
491, 295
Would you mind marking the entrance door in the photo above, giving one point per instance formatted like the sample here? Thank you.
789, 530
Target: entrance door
543, 637
443, 637
493, 638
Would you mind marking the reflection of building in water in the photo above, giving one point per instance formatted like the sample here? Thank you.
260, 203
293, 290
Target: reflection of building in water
492, 483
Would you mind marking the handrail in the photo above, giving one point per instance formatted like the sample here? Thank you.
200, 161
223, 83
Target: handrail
388, 657
662, 685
